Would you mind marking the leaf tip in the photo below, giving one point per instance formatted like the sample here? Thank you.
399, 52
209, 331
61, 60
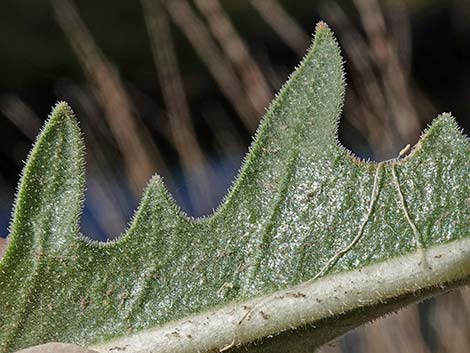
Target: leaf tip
322, 28
321, 25
444, 122
444, 131
61, 111
157, 190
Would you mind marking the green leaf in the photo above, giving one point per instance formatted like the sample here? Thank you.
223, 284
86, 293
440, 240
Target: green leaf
309, 243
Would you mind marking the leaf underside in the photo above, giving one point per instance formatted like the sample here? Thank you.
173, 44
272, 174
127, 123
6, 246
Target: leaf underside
302, 208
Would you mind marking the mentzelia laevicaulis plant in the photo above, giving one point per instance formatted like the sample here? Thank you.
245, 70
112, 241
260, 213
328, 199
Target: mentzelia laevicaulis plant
309, 243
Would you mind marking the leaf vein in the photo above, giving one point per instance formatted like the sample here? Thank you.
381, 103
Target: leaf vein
374, 195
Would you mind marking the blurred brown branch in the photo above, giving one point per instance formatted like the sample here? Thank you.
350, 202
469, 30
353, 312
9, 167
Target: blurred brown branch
394, 79
254, 83
181, 127
381, 103
3, 246
221, 69
21, 115
142, 157
283, 24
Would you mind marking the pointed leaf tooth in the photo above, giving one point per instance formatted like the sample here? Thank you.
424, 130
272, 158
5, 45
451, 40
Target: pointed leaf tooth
441, 152
157, 213
45, 217
50, 194
300, 124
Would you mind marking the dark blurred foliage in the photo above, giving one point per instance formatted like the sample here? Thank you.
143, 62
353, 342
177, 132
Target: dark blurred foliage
178, 88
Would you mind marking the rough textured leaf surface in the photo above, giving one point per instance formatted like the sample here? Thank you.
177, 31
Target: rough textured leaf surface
302, 209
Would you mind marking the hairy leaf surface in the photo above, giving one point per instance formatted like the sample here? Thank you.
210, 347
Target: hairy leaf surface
303, 215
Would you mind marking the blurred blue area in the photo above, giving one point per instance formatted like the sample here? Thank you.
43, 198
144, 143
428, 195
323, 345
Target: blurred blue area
4, 221
224, 174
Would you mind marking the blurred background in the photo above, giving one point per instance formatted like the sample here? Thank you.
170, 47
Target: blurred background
178, 87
